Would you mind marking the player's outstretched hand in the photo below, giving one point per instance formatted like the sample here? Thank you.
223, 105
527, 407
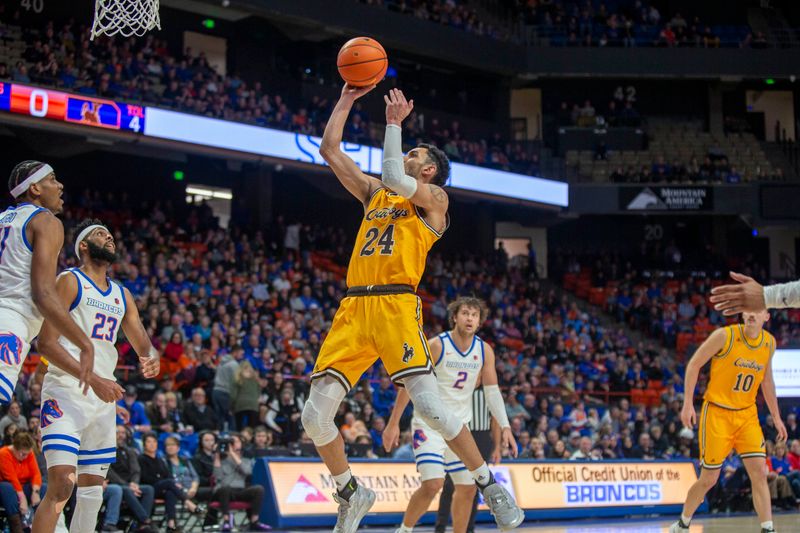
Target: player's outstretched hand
354, 93
87, 367
747, 296
688, 415
391, 437
150, 366
508, 441
107, 390
783, 435
397, 107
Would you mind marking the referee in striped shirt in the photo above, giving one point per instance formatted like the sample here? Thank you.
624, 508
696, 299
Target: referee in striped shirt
486, 433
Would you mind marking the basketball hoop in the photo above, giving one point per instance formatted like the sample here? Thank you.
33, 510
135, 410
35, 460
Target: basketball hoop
125, 17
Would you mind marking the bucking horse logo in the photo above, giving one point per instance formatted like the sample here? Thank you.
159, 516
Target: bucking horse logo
50, 412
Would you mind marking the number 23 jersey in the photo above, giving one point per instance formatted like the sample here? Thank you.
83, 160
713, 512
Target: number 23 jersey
392, 243
738, 370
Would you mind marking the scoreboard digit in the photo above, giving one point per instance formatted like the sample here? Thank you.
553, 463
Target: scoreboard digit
74, 108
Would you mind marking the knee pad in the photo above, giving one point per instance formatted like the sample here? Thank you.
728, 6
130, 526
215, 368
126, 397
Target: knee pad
428, 406
320, 409
87, 505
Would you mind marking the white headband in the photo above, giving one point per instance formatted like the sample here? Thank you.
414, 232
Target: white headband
85, 233
36, 177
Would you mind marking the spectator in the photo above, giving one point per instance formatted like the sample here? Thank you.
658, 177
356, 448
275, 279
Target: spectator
223, 385
283, 416
137, 417
182, 470
156, 472
262, 441
123, 484
13, 416
197, 415
232, 473
21, 487
584, 451
244, 395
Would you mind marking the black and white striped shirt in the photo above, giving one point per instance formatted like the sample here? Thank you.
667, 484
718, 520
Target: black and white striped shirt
481, 419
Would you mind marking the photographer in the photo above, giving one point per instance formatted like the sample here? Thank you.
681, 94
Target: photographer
231, 471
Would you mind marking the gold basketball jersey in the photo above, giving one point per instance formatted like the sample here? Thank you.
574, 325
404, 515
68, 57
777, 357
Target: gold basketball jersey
392, 244
737, 371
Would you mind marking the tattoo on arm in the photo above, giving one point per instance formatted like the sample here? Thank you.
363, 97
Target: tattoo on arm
437, 193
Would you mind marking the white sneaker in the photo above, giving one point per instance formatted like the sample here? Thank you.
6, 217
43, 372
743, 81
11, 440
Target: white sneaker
677, 528
351, 512
505, 510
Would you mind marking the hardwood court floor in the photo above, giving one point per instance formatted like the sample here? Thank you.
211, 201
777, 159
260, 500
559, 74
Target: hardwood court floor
784, 523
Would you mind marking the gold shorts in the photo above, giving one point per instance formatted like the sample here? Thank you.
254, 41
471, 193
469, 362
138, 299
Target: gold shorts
723, 430
366, 328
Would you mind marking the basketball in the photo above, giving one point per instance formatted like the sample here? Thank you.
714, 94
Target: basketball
362, 61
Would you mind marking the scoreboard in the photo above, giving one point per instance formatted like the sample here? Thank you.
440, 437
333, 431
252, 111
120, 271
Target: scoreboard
73, 108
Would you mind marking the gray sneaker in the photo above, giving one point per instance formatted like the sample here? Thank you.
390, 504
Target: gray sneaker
506, 513
677, 527
351, 512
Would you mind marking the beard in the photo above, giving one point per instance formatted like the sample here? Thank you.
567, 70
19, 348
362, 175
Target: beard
100, 253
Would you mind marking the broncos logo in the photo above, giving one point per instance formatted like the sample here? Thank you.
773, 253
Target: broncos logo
10, 348
50, 409
419, 438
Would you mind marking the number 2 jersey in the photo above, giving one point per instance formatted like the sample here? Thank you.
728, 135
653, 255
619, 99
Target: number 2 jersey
16, 255
738, 370
99, 314
392, 243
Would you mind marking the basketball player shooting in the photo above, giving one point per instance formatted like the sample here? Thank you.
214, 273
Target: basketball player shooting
405, 213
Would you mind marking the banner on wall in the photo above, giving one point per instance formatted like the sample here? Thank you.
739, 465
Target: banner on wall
301, 489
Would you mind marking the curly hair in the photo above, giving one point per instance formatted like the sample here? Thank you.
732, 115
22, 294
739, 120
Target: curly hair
438, 158
466, 301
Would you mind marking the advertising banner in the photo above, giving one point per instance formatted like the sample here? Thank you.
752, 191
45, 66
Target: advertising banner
302, 489
654, 198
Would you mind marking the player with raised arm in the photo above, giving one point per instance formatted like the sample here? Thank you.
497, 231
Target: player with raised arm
741, 361
748, 295
30, 241
462, 361
405, 213
79, 430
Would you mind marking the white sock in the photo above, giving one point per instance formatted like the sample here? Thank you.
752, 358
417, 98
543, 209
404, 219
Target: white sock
342, 479
87, 505
405, 529
686, 520
61, 526
482, 475
767, 525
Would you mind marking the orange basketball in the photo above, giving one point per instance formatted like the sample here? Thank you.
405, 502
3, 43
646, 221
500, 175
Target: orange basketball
362, 61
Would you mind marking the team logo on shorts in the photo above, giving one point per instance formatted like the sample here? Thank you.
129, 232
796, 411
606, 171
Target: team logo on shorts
408, 352
10, 348
419, 438
50, 412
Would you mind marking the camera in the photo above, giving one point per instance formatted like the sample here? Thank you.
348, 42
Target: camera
223, 443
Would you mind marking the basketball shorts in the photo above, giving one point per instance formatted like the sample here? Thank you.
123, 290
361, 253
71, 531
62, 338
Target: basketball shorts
77, 430
434, 457
723, 430
16, 332
366, 328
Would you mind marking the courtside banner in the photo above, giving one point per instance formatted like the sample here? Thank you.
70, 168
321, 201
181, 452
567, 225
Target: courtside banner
302, 490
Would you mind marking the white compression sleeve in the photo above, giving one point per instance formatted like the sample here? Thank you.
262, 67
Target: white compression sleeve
496, 405
88, 503
782, 295
394, 171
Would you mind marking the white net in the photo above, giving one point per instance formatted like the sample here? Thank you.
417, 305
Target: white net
125, 17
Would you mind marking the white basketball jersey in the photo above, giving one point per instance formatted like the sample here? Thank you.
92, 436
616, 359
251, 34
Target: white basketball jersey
99, 314
16, 254
457, 374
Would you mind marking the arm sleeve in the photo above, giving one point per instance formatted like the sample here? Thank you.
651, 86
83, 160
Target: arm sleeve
393, 174
246, 466
782, 295
494, 401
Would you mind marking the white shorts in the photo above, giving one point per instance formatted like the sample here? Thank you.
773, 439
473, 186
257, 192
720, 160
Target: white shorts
434, 457
77, 430
15, 337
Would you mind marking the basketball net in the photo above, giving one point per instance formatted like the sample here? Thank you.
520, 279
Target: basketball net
125, 17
